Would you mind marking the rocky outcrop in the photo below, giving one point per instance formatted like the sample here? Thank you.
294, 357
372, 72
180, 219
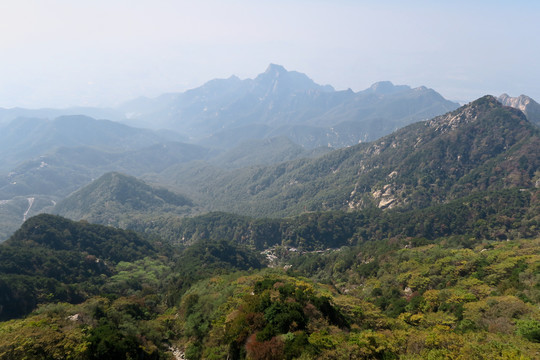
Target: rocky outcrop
530, 108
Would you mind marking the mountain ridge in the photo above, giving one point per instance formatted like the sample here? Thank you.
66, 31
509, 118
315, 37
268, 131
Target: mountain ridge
279, 99
482, 145
25, 138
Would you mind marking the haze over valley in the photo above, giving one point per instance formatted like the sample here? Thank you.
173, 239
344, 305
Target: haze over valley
225, 124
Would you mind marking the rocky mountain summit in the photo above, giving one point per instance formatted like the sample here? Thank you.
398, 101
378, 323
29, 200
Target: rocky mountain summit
524, 103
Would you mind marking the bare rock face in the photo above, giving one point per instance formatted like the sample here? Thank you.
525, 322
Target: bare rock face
527, 105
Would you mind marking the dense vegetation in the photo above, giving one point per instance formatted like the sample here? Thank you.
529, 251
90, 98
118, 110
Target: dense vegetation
387, 296
423, 245
380, 300
116, 199
511, 213
55, 259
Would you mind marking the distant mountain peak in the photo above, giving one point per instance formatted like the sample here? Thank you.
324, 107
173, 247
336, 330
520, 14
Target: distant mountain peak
282, 102
381, 85
484, 100
275, 69
527, 105
276, 79
387, 87
521, 102
521, 98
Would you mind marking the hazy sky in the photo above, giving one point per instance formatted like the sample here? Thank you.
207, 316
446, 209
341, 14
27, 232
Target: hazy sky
58, 53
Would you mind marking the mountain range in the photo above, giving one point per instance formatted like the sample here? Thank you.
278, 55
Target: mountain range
451, 161
421, 244
229, 123
27, 138
422, 164
224, 112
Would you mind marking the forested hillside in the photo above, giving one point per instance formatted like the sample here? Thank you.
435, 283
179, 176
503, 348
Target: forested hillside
54, 259
506, 214
118, 200
481, 146
454, 297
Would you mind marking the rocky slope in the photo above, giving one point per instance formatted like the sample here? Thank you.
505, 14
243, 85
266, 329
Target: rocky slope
481, 146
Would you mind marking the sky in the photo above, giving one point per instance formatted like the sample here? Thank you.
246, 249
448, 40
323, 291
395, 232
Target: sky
62, 53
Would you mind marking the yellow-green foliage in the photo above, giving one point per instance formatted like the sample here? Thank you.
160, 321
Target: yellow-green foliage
126, 328
458, 312
437, 301
50, 334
